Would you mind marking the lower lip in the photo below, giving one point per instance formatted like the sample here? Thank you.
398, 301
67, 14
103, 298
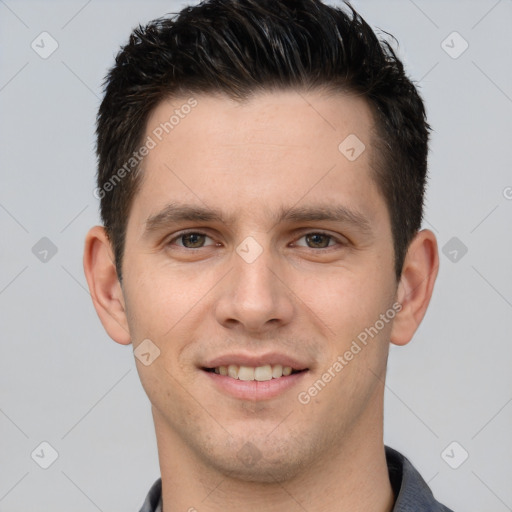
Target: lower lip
253, 389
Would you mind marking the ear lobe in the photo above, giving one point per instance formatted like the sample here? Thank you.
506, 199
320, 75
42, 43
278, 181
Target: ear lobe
416, 286
104, 286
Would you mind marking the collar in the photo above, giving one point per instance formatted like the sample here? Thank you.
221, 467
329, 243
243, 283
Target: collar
412, 493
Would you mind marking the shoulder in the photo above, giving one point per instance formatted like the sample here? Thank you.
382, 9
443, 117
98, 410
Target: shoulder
412, 493
153, 498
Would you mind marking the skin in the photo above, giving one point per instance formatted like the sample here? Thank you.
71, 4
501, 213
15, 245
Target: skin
251, 160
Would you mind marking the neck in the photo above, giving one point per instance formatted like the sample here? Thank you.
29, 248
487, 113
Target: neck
354, 477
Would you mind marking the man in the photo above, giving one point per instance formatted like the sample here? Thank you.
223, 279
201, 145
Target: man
261, 173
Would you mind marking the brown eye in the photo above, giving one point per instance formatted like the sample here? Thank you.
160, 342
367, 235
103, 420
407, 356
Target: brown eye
318, 240
192, 240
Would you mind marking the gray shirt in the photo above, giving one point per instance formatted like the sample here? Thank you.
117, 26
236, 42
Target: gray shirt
411, 491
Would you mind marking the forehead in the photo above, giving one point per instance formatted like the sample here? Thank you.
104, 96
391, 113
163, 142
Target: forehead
276, 148
300, 120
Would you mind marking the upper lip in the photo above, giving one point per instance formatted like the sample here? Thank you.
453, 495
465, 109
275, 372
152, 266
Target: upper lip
255, 360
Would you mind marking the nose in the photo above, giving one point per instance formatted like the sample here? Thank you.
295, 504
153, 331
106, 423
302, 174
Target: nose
255, 296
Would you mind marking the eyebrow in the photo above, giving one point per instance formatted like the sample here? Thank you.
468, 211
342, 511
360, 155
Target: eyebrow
331, 213
174, 213
178, 212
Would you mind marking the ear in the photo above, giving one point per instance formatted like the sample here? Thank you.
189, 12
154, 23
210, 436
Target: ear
104, 285
416, 284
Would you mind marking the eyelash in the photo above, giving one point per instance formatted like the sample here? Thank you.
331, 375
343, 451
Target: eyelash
323, 233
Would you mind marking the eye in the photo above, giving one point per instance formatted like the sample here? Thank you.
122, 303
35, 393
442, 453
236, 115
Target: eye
316, 240
191, 240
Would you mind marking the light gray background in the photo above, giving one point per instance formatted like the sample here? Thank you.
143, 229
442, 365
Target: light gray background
63, 381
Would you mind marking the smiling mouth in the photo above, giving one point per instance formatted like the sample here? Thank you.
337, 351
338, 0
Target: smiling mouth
259, 373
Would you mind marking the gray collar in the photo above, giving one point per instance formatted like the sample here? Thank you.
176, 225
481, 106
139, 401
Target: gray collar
412, 494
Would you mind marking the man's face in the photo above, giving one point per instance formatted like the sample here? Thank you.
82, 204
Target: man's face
255, 241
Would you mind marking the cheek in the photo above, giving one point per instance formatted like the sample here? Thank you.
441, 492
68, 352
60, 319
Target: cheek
162, 308
170, 308
346, 301
159, 299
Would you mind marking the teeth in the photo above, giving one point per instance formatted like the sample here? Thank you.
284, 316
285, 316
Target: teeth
245, 373
260, 373
232, 371
277, 371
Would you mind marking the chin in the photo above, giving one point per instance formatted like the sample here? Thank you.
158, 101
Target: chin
260, 461
262, 472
